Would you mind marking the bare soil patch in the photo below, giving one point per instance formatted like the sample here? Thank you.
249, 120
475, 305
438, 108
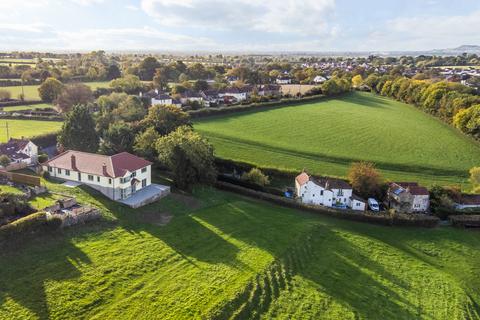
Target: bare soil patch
157, 218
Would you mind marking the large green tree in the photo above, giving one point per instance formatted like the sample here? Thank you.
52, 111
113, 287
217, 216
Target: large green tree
165, 119
50, 89
73, 94
130, 84
189, 156
78, 131
145, 143
146, 68
117, 138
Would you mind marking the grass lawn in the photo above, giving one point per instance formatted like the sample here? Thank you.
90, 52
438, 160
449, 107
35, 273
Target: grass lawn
9, 189
325, 137
27, 128
223, 256
28, 107
31, 92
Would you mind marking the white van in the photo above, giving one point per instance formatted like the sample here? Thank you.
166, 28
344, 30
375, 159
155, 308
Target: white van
373, 204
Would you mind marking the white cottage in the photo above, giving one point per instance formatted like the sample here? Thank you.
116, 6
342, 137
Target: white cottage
329, 192
20, 151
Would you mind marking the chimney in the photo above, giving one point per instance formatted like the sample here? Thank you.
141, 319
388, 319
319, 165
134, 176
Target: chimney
104, 169
74, 162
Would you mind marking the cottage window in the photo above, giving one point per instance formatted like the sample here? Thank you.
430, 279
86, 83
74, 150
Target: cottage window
90, 177
50, 169
144, 183
67, 172
109, 181
134, 174
144, 170
59, 171
98, 179
340, 193
321, 193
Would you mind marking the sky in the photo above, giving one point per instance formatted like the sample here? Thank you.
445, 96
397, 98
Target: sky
238, 25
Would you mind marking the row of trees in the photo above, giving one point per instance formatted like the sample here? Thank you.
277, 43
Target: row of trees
452, 102
163, 134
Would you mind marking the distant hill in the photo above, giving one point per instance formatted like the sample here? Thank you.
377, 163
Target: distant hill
458, 50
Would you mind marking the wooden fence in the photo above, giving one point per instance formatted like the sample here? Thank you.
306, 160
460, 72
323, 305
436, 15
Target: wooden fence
21, 178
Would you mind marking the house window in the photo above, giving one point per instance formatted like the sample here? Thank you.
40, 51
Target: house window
358, 204
340, 193
109, 181
144, 170
134, 174
67, 172
59, 171
50, 169
321, 193
90, 177
144, 183
98, 179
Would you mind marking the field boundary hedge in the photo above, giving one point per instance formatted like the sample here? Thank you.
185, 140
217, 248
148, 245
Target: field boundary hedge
404, 220
16, 103
31, 224
209, 112
33, 117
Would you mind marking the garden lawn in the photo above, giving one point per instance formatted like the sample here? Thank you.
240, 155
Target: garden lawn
27, 128
224, 256
31, 92
326, 137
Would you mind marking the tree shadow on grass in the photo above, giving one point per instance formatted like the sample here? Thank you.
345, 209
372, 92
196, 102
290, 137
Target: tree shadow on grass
24, 272
184, 234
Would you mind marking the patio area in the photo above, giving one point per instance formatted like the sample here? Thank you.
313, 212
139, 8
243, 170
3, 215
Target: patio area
146, 195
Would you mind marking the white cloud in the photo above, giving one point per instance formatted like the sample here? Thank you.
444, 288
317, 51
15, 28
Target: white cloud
426, 32
22, 27
282, 16
132, 7
128, 39
87, 2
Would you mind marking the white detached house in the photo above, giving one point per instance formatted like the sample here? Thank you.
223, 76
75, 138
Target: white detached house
328, 192
118, 177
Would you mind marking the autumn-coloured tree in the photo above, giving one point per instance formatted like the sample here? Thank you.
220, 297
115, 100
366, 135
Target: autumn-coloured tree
364, 178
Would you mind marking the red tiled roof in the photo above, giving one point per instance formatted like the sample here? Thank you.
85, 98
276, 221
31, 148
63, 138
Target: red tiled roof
115, 166
302, 178
418, 191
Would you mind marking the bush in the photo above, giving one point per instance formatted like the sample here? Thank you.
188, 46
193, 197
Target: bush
256, 176
45, 140
42, 157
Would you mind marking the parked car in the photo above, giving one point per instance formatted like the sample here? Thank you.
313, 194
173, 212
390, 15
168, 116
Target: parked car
373, 204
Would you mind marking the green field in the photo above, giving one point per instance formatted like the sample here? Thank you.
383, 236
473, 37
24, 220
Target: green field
223, 256
326, 137
27, 128
29, 107
31, 92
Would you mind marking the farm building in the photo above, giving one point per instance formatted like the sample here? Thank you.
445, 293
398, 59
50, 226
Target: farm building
408, 197
122, 177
